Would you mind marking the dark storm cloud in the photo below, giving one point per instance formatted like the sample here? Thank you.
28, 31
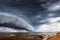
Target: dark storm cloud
11, 25
33, 10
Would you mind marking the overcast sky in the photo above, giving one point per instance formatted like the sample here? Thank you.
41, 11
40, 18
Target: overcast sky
32, 15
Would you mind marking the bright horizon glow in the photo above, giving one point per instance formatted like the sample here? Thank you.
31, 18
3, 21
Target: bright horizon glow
52, 26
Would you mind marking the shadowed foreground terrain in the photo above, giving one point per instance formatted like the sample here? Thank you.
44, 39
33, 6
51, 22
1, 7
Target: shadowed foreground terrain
28, 36
20, 37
